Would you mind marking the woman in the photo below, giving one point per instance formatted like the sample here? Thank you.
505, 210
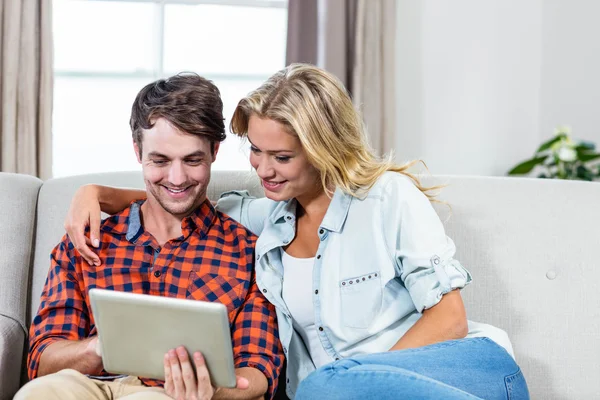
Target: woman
352, 255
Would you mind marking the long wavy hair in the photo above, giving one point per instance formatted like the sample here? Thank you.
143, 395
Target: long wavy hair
314, 105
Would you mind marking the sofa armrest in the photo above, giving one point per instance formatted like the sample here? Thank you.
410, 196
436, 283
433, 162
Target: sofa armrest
12, 340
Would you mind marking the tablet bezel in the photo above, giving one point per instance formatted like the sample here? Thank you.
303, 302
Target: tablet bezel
136, 330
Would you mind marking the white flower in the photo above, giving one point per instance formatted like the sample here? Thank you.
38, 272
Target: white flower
566, 154
564, 129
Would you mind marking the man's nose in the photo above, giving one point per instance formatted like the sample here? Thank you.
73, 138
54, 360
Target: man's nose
177, 174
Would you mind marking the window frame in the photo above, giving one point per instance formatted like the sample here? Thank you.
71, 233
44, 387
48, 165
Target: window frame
158, 71
155, 70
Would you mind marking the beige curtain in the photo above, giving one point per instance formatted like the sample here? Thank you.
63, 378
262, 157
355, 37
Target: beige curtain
321, 32
26, 82
354, 39
373, 79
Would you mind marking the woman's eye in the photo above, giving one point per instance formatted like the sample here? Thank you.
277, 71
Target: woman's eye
254, 150
283, 159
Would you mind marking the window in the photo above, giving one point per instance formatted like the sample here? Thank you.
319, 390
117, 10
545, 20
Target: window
107, 50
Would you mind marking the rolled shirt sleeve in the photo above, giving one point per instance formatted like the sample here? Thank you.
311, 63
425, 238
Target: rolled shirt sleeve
422, 251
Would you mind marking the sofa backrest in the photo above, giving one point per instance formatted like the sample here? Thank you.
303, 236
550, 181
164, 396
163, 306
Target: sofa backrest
18, 198
531, 246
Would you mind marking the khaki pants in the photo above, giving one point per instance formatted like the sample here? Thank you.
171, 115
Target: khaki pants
69, 384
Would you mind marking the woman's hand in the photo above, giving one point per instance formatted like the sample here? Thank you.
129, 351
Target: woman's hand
181, 382
85, 211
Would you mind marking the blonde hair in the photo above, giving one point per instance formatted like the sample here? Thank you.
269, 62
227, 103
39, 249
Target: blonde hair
314, 105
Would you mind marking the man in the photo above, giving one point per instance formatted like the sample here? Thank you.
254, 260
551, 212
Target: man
172, 244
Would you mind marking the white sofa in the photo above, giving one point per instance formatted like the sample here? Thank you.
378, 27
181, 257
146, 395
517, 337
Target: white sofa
531, 245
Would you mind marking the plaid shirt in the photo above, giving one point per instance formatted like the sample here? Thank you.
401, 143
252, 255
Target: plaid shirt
211, 261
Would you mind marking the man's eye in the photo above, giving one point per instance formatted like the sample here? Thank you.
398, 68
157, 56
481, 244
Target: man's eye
194, 161
159, 162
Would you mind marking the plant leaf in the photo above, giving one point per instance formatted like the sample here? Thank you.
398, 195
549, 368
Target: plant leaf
585, 145
584, 174
587, 156
549, 143
526, 166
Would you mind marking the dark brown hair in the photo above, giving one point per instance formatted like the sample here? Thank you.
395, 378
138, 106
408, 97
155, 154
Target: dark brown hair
188, 101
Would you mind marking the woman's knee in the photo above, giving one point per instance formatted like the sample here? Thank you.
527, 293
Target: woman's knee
315, 383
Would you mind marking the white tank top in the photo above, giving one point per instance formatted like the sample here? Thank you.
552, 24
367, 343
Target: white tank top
297, 294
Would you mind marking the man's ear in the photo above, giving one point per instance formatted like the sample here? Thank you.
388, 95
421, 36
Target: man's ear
216, 150
138, 153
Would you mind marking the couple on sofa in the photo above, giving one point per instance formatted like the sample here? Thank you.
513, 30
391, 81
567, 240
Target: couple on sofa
351, 277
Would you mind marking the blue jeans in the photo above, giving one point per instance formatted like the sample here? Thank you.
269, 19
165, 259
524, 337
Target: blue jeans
475, 368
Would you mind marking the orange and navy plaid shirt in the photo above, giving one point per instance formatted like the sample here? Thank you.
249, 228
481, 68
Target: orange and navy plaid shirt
212, 261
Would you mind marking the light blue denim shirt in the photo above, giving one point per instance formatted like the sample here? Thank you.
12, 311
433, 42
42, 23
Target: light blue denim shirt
382, 259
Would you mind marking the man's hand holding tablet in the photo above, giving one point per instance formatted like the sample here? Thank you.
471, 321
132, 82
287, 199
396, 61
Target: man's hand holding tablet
182, 382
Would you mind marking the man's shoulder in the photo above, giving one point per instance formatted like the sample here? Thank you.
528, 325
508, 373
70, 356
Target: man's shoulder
116, 224
233, 227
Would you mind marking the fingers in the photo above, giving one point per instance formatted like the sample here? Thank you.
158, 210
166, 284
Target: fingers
84, 211
187, 373
81, 242
98, 347
95, 229
242, 383
205, 389
178, 388
81, 245
180, 379
169, 386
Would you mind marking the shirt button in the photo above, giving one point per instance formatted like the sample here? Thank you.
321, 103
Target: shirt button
288, 218
337, 359
321, 231
319, 256
317, 291
321, 328
157, 274
264, 290
284, 350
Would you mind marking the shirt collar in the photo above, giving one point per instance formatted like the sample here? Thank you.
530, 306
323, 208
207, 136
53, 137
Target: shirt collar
128, 222
334, 218
337, 211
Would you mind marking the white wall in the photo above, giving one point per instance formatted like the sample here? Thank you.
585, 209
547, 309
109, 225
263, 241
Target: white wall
570, 75
482, 83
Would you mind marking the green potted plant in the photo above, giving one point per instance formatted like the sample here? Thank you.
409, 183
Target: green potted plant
563, 158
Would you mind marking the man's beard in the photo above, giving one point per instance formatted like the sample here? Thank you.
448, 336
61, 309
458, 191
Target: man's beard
179, 208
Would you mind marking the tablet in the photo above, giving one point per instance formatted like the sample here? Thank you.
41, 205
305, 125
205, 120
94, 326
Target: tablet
136, 330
